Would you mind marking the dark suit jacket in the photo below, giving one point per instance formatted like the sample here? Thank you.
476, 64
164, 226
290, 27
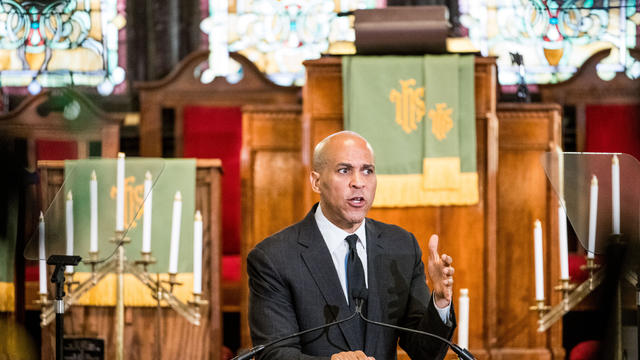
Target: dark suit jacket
294, 286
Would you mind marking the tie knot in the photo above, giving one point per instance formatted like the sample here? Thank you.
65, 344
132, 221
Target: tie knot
351, 240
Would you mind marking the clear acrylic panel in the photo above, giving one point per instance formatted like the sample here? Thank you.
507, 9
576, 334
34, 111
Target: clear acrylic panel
572, 178
73, 225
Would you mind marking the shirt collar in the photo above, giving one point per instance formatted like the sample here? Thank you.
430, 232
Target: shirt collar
333, 235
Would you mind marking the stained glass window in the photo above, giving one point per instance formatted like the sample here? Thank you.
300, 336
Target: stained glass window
554, 37
61, 43
275, 35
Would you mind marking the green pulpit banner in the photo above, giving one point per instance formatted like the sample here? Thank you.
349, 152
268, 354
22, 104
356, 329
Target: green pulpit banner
418, 113
176, 175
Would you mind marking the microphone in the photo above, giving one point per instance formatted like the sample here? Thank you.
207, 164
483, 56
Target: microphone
361, 296
256, 349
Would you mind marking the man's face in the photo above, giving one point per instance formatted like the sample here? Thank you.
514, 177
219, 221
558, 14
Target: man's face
347, 181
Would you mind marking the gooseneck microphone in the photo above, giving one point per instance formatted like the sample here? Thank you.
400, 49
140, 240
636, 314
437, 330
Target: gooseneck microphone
256, 349
361, 296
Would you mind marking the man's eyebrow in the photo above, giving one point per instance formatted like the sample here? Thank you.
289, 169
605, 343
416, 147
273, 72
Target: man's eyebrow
344, 164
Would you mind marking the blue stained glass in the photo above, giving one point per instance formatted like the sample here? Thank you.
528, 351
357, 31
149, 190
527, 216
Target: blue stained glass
554, 37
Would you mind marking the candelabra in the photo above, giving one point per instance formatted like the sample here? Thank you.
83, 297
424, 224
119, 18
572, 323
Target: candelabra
572, 295
119, 266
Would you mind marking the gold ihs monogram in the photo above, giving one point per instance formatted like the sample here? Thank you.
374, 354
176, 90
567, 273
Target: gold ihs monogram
441, 121
409, 104
133, 196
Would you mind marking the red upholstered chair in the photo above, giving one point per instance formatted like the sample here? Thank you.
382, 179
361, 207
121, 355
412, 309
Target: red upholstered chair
586, 350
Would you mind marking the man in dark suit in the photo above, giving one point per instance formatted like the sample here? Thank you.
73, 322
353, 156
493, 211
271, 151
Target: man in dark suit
303, 276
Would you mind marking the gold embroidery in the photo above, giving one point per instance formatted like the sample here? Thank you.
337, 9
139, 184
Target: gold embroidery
133, 196
441, 121
410, 108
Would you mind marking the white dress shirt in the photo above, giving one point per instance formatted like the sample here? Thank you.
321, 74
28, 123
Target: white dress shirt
334, 237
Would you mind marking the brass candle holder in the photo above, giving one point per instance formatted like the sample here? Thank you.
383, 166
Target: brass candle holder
173, 281
566, 287
541, 308
92, 261
591, 267
146, 260
197, 301
69, 282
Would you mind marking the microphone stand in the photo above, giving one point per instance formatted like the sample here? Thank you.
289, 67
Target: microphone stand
463, 354
360, 296
256, 349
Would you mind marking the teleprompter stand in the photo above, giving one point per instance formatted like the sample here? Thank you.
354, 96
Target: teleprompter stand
60, 262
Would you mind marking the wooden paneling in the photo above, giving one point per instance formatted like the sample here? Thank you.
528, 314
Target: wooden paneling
525, 194
150, 334
467, 233
271, 182
182, 88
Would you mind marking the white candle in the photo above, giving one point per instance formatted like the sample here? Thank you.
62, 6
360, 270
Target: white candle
175, 233
120, 193
69, 228
615, 194
463, 322
42, 264
564, 251
593, 217
93, 190
146, 220
537, 246
197, 253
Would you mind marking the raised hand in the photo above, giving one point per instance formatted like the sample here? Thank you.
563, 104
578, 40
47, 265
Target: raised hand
441, 274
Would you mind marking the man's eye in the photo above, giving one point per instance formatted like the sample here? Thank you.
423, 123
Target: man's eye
343, 171
368, 171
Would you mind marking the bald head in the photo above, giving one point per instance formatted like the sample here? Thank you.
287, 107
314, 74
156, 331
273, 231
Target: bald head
344, 176
324, 147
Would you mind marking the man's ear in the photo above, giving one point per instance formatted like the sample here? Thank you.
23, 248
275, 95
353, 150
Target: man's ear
314, 178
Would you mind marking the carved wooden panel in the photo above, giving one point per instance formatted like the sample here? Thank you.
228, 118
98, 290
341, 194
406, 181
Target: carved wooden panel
272, 184
525, 194
151, 333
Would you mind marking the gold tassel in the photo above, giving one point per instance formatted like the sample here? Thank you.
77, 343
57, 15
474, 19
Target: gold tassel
441, 173
135, 292
408, 190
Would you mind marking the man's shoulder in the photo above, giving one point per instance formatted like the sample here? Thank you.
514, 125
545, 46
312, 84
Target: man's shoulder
388, 230
281, 240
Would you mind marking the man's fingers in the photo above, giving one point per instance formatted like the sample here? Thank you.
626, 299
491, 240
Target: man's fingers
433, 247
446, 259
448, 271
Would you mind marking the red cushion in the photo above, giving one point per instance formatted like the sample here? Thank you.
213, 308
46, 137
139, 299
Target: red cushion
231, 268
56, 150
586, 350
613, 128
575, 262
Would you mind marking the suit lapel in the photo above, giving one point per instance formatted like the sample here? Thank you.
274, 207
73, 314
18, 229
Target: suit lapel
318, 260
375, 249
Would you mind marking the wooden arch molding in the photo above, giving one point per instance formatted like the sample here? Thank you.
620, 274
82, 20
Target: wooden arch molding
182, 88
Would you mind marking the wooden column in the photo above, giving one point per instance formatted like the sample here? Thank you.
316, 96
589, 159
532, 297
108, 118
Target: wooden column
525, 194
271, 181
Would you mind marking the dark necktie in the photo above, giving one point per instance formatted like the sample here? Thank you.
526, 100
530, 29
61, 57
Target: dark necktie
355, 281
355, 270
